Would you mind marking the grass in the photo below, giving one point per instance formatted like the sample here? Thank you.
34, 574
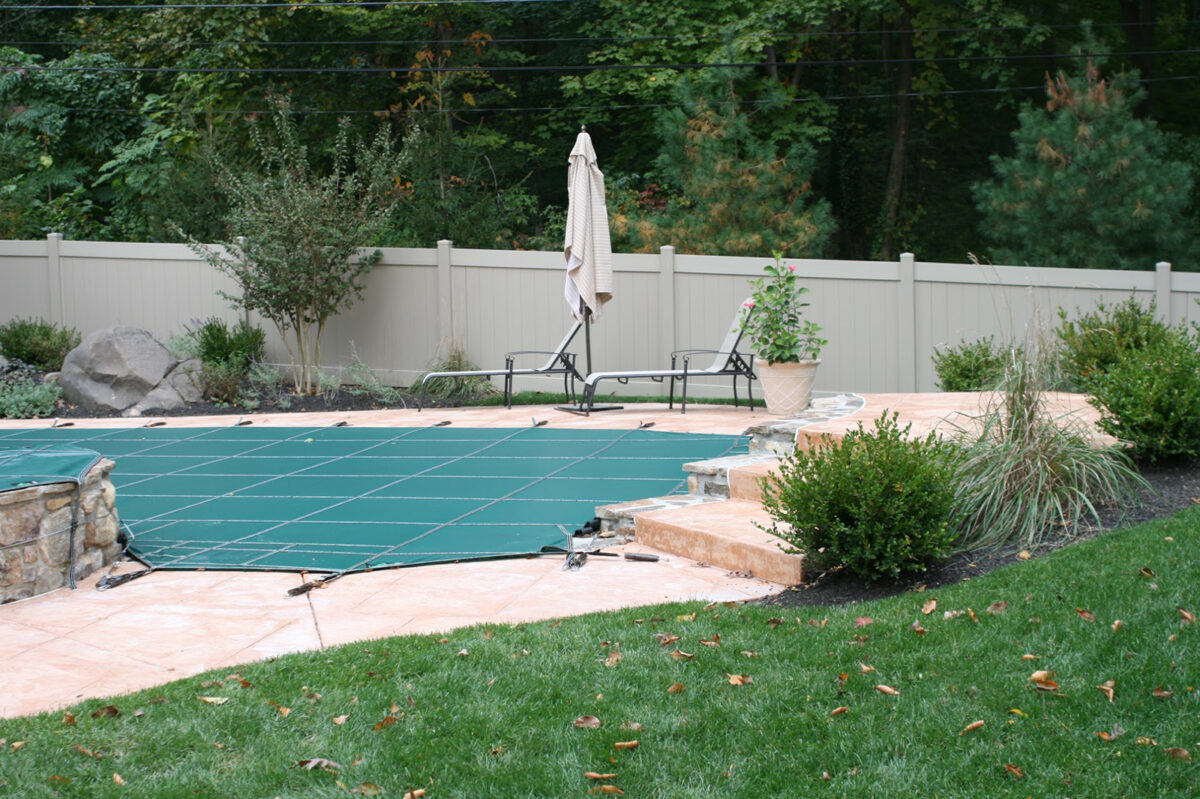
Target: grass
489, 710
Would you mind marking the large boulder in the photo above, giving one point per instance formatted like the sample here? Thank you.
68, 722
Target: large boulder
115, 369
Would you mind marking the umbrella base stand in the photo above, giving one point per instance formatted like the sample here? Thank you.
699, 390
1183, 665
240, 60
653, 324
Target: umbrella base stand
583, 410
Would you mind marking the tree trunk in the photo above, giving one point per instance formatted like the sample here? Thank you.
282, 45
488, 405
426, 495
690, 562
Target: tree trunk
904, 107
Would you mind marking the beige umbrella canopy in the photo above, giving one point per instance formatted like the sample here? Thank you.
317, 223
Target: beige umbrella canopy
587, 247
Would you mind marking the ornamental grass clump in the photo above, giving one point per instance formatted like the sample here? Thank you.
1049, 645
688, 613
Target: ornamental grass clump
877, 503
775, 322
1027, 476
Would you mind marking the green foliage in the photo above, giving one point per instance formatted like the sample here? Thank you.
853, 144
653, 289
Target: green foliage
301, 261
1027, 476
876, 502
25, 398
775, 324
359, 381
970, 366
41, 344
457, 390
220, 381
1150, 398
1100, 339
1090, 185
216, 343
735, 193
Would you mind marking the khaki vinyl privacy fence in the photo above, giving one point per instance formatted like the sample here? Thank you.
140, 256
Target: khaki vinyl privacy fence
883, 319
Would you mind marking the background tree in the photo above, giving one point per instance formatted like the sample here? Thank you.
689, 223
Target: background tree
1090, 184
302, 261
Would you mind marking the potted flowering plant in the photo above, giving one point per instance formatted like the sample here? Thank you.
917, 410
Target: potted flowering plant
788, 346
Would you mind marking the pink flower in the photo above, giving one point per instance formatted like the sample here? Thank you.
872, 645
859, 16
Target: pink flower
791, 268
748, 303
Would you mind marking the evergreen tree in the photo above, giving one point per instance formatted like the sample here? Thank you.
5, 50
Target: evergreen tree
1090, 185
731, 192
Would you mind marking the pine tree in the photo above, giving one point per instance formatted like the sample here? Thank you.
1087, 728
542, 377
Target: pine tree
1090, 185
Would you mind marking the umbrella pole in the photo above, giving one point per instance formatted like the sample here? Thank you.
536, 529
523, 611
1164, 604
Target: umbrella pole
587, 344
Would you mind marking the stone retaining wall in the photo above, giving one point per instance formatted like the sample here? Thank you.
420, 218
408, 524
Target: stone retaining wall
35, 533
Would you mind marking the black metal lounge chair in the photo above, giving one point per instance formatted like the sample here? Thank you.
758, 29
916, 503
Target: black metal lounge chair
727, 362
560, 362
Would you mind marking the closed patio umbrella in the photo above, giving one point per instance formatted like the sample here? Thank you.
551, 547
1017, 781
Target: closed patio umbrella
587, 247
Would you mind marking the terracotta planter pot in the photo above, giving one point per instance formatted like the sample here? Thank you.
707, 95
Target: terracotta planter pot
787, 387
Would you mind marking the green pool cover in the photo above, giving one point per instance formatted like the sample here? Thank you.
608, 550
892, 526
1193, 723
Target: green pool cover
343, 499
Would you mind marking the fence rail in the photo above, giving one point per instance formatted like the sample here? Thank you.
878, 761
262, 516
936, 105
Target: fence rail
883, 319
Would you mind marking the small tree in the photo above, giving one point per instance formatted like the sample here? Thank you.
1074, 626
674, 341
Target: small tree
301, 259
1090, 185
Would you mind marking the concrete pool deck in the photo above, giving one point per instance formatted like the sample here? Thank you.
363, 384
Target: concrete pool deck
66, 646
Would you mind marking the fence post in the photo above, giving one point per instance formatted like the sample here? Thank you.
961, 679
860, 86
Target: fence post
666, 290
445, 300
54, 279
1162, 290
906, 324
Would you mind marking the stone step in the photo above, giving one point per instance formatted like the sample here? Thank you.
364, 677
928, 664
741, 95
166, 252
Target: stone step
743, 480
710, 478
721, 534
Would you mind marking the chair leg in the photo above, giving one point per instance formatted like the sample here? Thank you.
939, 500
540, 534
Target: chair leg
683, 394
421, 401
671, 393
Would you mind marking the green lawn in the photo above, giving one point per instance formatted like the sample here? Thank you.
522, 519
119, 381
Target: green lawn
489, 711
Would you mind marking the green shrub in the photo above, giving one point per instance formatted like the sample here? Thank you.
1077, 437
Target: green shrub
1093, 343
359, 381
1026, 475
1150, 399
40, 344
221, 382
24, 398
970, 366
878, 502
457, 390
216, 343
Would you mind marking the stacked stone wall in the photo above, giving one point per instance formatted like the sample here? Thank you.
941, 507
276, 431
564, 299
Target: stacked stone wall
35, 533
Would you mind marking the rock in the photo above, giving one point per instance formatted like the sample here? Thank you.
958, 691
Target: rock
164, 397
114, 369
187, 379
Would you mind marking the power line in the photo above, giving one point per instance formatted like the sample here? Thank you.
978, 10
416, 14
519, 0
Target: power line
583, 67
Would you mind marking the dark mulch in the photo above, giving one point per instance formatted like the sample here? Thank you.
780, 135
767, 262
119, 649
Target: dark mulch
1174, 487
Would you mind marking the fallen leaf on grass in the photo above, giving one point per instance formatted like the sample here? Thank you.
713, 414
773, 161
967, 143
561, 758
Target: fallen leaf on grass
385, 722
863, 668
953, 614
621, 746
675, 688
929, 607
592, 775
974, 725
1024, 554
283, 711
1144, 741
462, 653
1030, 657
632, 725
837, 711
917, 628
110, 711
610, 789
739, 679
317, 762
69, 719
415, 794
118, 779
368, 789
666, 639
1013, 770
998, 607
1016, 711
863, 621
773, 623
887, 689
686, 617
1118, 624
17, 745
679, 654
1086, 615
1178, 753
1111, 735
613, 658
1045, 685
58, 779
714, 641
214, 700
1106, 688
971, 613
340, 720
88, 752
1040, 674
586, 723
1188, 616
1161, 693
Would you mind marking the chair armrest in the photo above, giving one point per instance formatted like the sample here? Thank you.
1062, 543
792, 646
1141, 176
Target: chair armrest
534, 352
696, 352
